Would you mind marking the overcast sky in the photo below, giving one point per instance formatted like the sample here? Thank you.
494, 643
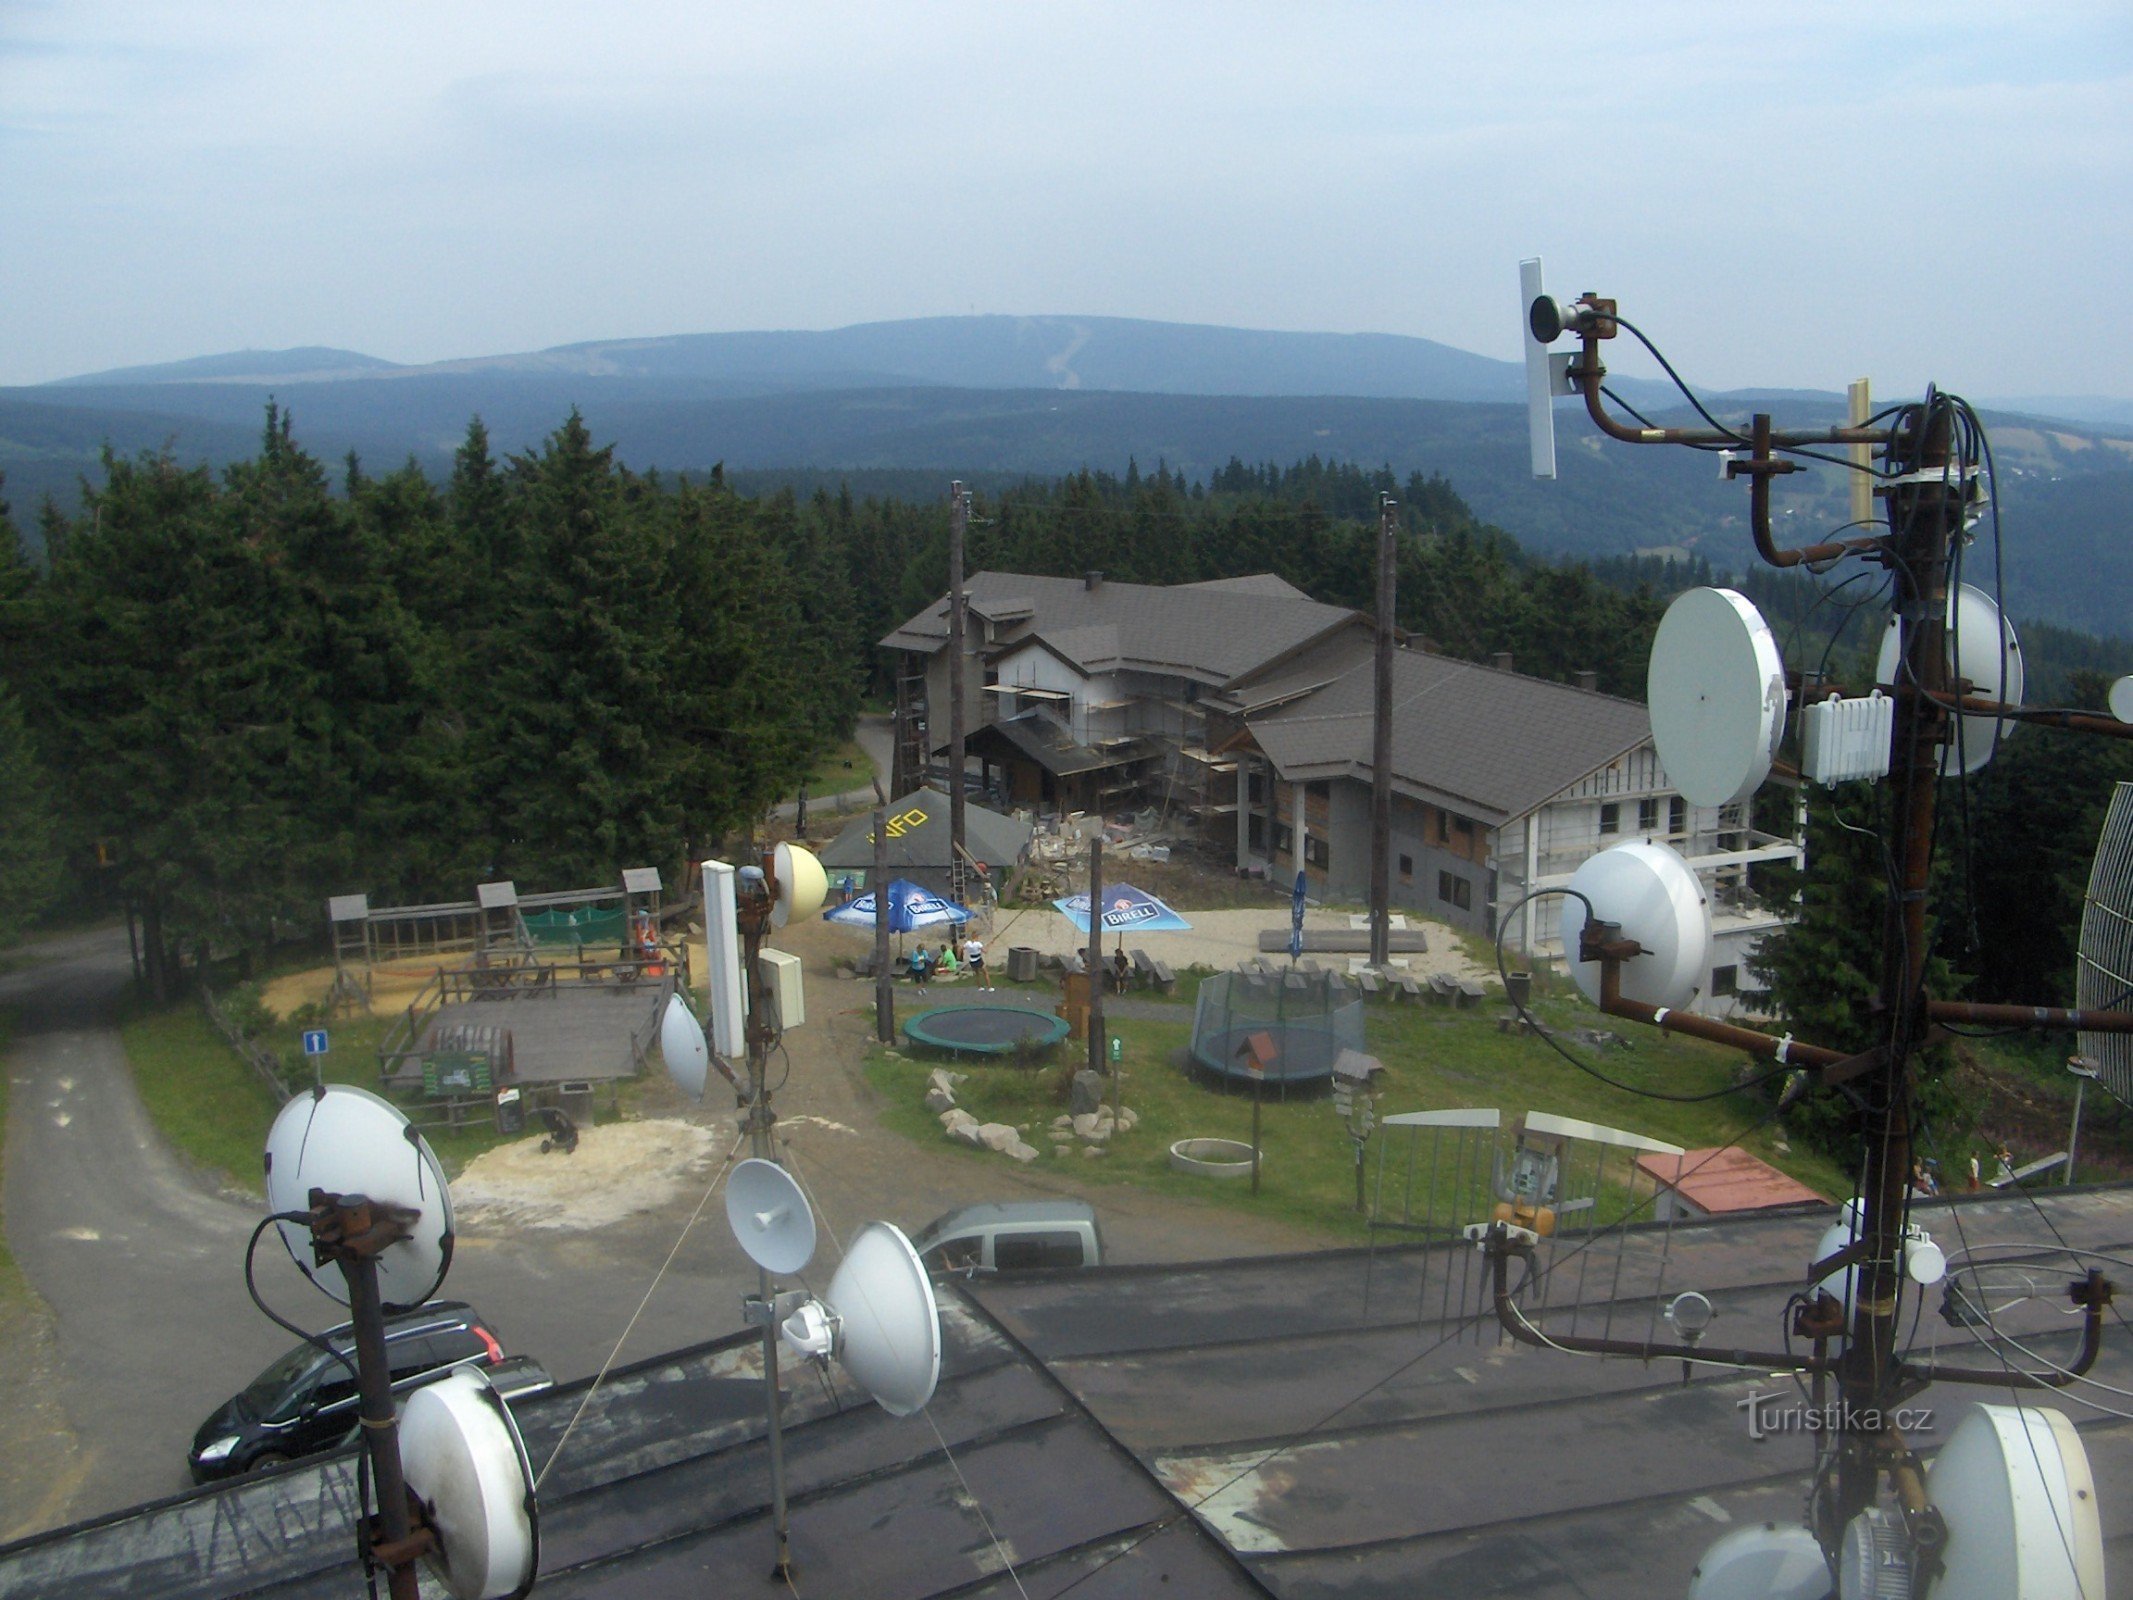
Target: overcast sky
1791, 195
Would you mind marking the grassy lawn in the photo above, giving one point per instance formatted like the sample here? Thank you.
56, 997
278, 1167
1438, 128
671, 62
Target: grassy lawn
1434, 1058
840, 767
214, 1110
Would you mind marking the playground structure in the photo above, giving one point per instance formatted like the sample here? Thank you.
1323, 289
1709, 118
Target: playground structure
547, 994
1293, 1023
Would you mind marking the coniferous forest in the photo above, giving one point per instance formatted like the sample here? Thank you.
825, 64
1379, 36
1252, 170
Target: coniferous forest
225, 697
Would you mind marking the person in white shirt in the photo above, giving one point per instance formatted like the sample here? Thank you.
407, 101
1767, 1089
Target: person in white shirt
974, 959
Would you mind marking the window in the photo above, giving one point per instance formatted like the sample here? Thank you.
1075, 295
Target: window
1725, 980
1455, 891
1610, 818
1463, 826
1317, 853
1647, 816
1015, 1251
1677, 815
956, 1255
1407, 866
1283, 838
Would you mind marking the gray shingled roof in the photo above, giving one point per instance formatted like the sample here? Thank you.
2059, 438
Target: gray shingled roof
1489, 744
1210, 632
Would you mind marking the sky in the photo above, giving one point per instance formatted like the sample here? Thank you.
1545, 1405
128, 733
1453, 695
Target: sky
1782, 197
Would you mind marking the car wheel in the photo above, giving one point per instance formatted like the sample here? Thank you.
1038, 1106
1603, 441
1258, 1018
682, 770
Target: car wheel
266, 1459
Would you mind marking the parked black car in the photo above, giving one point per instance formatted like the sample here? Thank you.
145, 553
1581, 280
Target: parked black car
306, 1401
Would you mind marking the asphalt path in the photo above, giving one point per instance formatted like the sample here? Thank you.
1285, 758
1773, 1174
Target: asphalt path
140, 1266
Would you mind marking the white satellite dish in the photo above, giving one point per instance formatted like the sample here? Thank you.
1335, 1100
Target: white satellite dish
1923, 1261
770, 1216
1991, 658
2121, 698
348, 1141
802, 884
463, 1458
681, 1043
1716, 689
1765, 1562
878, 1318
1651, 892
2015, 1487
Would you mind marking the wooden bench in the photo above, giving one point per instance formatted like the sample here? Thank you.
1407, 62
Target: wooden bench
1471, 993
1369, 981
1442, 989
1160, 974
1409, 986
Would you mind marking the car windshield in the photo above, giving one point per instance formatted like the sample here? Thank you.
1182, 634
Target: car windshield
266, 1391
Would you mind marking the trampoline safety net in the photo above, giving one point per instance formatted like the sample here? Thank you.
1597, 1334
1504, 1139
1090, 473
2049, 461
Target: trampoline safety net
1309, 1017
582, 927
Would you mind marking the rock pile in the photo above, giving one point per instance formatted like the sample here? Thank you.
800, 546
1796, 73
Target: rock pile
1091, 1130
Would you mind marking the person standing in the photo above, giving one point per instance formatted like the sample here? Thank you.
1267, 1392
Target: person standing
974, 959
921, 959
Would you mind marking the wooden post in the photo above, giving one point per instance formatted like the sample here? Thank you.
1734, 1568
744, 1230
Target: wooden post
1095, 952
884, 974
1381, 741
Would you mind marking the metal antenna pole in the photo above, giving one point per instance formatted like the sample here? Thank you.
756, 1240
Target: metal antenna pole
958, 524
1925, 516
753, 916
1381, 741
884, 977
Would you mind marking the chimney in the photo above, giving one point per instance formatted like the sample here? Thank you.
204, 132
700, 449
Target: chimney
1501, 661
1589, 680
1090, 580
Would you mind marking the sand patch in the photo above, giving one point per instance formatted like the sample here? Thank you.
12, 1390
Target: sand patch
616, 1172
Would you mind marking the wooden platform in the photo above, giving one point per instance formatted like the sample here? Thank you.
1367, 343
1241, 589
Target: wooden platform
566, 1032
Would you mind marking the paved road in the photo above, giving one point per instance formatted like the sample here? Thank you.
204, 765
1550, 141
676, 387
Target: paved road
140, 1266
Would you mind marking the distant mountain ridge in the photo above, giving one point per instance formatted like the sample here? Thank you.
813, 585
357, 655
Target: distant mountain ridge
989, 352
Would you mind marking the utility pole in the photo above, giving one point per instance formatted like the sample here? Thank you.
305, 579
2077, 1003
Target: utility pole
1381, 740
1096, 948
958, 525
884, 978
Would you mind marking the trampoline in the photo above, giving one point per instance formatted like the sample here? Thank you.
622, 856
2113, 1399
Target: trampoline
985, 1030
1308, 1018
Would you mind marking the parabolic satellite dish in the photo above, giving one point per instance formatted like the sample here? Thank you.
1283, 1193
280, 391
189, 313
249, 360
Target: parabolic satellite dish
1982, 648
1651, 892
879, 1319
2015, 1487
1716, 689
802, 884
770, 1216
463, 1458
348, 1141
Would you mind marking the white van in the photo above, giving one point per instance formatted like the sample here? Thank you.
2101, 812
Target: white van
1015, 1236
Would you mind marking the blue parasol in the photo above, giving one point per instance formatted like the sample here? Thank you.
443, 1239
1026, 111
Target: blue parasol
1126, 910
911, 907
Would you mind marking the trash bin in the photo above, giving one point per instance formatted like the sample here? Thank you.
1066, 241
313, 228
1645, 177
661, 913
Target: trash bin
1022, 963
576, 1098
1518, 988
510, 1111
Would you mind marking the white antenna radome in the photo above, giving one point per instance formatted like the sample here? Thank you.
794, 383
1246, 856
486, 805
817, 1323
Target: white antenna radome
802, 884
722, 960
770, 1216
879, 1319
2121, 698
1652, 894
463, 1458
1547, 374
1765, 1562
683, 1047
2013, 1483
1982, 648
348, 1141
1716, 689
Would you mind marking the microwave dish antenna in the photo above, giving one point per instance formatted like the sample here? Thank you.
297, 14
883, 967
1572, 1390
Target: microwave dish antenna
802, 884
347, 1141
467, 1466
1982, 647
1716, 689
879, 1319
770, 1216
683, 1047
1649, 891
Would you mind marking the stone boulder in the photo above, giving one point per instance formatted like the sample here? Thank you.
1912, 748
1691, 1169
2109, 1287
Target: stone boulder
938, 1100
998, 1136
1088, 1093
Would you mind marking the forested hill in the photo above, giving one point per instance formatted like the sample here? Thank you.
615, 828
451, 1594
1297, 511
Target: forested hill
2068, 494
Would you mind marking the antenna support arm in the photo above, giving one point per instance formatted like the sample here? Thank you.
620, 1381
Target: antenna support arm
1993, 1016
2092, 1293
1603, 942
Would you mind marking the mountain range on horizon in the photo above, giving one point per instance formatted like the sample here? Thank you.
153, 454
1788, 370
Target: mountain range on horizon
885, 406
1126, 354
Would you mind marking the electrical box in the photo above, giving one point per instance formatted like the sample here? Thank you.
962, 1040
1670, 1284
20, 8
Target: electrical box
1845, 739
788, 1001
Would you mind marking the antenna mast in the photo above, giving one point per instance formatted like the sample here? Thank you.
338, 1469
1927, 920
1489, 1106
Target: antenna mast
1381, 739
958, 525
